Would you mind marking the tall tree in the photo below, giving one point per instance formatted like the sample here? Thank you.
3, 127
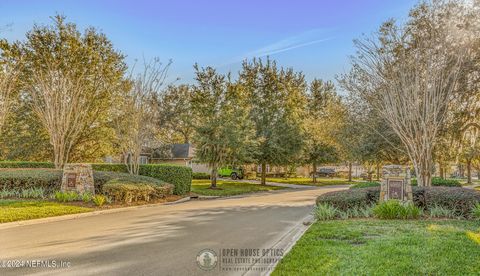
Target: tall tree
325, 114
409, 74
224, 133
9, 73
277, 100
175, 115
134, 122
70, 81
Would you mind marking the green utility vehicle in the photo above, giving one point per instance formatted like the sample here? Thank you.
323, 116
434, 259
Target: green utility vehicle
233, 172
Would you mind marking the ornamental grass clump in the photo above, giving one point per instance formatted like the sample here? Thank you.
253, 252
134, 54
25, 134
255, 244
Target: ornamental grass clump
394, 209
325, 212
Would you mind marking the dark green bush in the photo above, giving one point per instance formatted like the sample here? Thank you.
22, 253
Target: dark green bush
200, 175
365, 185
461, 200
179, 176
24, 164
437, 181
126, 192
21, 179
344, 200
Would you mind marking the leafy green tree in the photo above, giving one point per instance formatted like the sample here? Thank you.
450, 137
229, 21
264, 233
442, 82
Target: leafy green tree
324, 116
70, 80
175, 115
224, 133
277, 100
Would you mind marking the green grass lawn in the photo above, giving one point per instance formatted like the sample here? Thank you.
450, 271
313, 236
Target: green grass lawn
228, 188
375, 247
324, 181
14, 210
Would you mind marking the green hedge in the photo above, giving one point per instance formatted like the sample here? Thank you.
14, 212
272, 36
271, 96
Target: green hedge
49, 180
437, 181
460, 200
179, 176
23, 164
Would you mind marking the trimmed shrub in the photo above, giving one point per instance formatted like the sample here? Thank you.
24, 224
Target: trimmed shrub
179, 176
437, 181
200, 175
23, 179
394, 209
347, 199
24, 164
365, 185
127, 192
460, 200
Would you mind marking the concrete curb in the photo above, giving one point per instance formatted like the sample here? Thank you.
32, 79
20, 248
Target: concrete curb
13, 224
287, 241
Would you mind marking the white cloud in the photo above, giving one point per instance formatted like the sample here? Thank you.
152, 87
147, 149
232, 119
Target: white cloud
293, 42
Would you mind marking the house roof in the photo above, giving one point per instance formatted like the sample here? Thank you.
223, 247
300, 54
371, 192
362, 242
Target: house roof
182, 151
173, 151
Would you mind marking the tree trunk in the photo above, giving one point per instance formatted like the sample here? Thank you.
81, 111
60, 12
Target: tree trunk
264, 174
423, 171
314, 175
442, 172
213, 178
349, 171
461, 170
378, 171
469, 171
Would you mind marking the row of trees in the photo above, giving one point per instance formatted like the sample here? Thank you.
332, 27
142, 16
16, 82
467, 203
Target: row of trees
421, 78
413, 97
69, 95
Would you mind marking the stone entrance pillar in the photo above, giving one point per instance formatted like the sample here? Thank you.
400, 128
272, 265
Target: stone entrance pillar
396, 183
78, 178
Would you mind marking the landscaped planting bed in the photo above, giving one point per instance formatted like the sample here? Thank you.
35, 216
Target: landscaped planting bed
460, 201
179, 176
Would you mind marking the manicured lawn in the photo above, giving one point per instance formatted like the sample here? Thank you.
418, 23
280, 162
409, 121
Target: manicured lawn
14, 210
375, 247
228, 188
308, 181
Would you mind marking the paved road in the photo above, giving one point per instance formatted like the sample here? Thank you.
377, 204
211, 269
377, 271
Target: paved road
158, 240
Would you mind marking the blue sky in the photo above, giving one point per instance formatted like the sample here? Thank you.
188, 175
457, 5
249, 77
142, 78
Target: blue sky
311, 36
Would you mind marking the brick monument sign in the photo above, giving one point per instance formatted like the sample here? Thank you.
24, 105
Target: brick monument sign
78, 177
396, 184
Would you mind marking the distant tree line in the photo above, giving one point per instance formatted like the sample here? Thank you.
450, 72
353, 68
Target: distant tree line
412, 98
